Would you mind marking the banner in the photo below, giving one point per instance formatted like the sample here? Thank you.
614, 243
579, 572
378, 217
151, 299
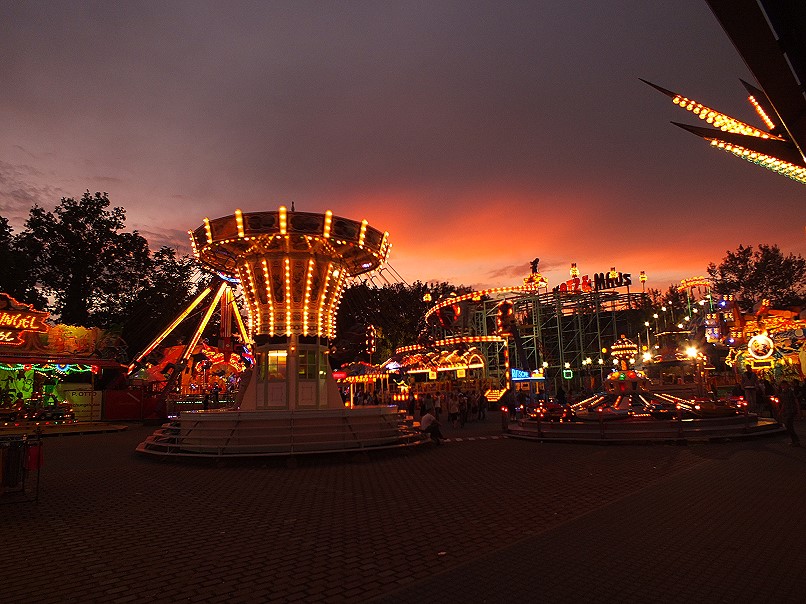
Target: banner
86, 402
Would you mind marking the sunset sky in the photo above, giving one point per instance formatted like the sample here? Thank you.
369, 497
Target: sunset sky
479, 134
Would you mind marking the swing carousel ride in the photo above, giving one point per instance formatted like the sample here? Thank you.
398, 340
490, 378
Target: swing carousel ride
292, 268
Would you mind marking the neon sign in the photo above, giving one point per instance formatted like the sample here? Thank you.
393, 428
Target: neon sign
16, 319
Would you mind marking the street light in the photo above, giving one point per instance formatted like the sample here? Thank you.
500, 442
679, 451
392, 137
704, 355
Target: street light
646, 324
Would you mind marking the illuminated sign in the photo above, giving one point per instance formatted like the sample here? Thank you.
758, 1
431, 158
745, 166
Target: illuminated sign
609, 281
760, 347
16, 319
568, 374
519, 375
339, 375
585, 284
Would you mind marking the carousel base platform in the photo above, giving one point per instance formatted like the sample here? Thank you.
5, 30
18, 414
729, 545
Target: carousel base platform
647, 430
235, 434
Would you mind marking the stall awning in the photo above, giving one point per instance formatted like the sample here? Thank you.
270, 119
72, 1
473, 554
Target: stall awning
59, 360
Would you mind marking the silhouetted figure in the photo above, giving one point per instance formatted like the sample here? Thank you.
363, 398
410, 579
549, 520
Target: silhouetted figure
789, 409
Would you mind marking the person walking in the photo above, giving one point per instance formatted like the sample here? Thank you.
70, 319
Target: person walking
788, 410
750, 388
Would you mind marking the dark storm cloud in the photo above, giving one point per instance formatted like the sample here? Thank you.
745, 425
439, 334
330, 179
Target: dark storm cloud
481, 133
328, 96
158, 238
18, 193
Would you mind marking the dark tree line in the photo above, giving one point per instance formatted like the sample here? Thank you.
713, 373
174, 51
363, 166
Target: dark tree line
761, 274
78, 263
395, 310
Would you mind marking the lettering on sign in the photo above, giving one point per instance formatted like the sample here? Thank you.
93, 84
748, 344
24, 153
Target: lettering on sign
585, 284
17, 318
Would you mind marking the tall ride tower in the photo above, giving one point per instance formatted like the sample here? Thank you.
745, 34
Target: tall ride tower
293, 268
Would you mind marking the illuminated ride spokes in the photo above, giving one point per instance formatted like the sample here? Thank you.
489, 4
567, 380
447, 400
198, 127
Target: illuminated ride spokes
767, 36
293, 266
224, 300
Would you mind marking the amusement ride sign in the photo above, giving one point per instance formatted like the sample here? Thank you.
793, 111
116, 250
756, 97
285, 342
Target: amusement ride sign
16, 319
585, 284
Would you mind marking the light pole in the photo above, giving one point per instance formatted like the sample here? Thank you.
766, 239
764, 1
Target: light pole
648, 343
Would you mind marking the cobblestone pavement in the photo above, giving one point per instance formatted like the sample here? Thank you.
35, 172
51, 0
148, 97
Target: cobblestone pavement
479, 519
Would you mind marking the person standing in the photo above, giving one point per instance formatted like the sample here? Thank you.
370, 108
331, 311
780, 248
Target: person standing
788, 410
483, 402
750, 389
438, 406
429, 403
463, 409
453, 410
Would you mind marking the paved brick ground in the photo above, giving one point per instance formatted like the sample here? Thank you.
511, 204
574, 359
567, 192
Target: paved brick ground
480, 519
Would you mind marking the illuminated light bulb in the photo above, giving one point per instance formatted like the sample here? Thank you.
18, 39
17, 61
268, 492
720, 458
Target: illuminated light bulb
283, 220
208, 233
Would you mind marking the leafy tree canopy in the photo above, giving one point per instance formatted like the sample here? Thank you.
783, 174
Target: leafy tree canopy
16, 276
83, 260
80, 264
761, 274
395, 310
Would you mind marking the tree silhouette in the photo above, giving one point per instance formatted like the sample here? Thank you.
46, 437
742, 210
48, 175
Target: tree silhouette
761, 274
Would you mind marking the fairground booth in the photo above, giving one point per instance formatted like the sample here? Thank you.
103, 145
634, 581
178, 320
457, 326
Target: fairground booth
46, 364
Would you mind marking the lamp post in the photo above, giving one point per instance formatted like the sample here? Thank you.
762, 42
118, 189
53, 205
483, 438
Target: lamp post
648, 344
694, 355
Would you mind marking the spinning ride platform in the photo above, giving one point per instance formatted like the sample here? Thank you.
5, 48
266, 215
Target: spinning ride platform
628, 411
293, 268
